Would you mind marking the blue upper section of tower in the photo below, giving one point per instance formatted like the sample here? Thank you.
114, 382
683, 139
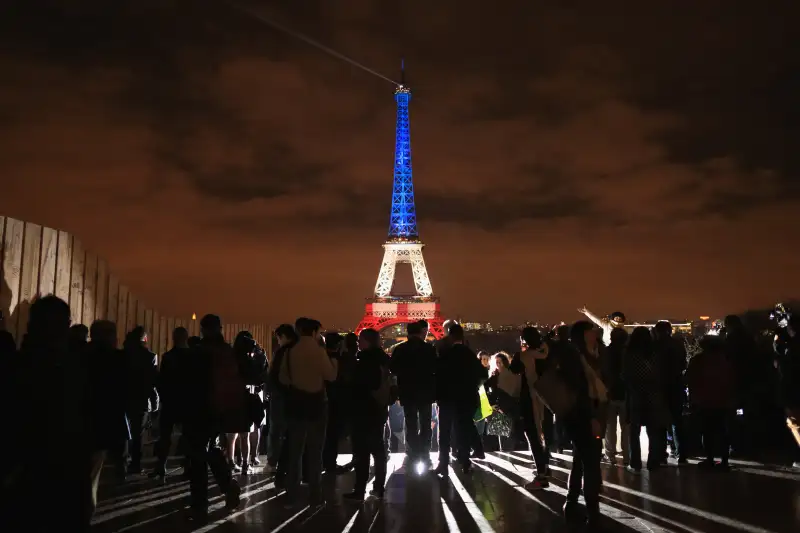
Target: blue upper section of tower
403, 222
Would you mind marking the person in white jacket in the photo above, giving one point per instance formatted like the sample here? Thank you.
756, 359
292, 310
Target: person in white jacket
616, 320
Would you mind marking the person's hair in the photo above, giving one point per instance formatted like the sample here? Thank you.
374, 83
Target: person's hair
531, 336
351, 342
180, 333
242, 335
503, 356
415, 328
448, 325
332, 341
456, 332
619, 335
286, 330
617, 316
733, 322
79, 330
370, 336
663, 327
211, 324
577, 332
135, 336
103, 332
641, 341
306, 327
48, 312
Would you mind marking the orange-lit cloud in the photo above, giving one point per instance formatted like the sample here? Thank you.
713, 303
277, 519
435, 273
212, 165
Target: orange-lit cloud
630, 159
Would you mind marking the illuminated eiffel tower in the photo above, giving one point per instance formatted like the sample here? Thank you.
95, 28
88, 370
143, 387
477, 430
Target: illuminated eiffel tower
403, 245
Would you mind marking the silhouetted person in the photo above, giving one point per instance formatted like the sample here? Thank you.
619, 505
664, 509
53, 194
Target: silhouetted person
369, 414
110, 430
611, 364
787, 350
337, 407
414, 365
142, 373
215, 390
742, 352
345, 376
8, 347
580, 369
171, 385
277, 451
78, 337
711, 388
671, 355
252, 363
647, 403
459, 373
531, 408
51, 390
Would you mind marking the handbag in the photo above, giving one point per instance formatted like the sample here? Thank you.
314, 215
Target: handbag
255, 408
499, 424
559, 398
302, 405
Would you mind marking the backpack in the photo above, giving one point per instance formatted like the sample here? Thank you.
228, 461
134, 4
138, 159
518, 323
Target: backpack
386, 393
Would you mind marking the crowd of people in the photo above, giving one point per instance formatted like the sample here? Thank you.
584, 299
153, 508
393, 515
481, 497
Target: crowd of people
566, 389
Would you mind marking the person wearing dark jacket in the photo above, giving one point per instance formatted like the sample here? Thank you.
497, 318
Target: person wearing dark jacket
52, 387
459, 374
369, 415
646, 399
277, 451
611, 370
711, 388
338, 405
142, 373
580, 370
787, 349
671, 357
215, 391
110, 430
414, 363
171, 388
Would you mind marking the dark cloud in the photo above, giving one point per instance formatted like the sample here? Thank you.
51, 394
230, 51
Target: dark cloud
611, 136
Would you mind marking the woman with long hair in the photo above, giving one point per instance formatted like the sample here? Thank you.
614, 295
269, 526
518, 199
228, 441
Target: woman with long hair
646, 401
585, 424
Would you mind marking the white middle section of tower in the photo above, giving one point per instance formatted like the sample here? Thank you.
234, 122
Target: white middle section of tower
403, 252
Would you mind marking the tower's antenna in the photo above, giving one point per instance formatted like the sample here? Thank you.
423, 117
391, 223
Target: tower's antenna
402, 72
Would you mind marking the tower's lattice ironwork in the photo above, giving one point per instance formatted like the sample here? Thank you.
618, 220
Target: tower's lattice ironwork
403, 244
403, 221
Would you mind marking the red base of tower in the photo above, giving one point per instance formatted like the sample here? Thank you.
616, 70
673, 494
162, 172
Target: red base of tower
382, 314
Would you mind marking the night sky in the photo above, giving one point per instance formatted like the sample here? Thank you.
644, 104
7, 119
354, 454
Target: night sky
634, 156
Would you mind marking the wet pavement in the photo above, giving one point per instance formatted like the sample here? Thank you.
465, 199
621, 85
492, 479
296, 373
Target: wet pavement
752, 498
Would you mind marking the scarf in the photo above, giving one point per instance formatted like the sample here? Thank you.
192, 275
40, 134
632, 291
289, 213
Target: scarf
597, 389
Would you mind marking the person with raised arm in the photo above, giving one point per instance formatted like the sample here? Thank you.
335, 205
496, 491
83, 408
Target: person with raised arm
616, 320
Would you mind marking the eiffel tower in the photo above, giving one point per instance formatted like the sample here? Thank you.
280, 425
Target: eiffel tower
403, 245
